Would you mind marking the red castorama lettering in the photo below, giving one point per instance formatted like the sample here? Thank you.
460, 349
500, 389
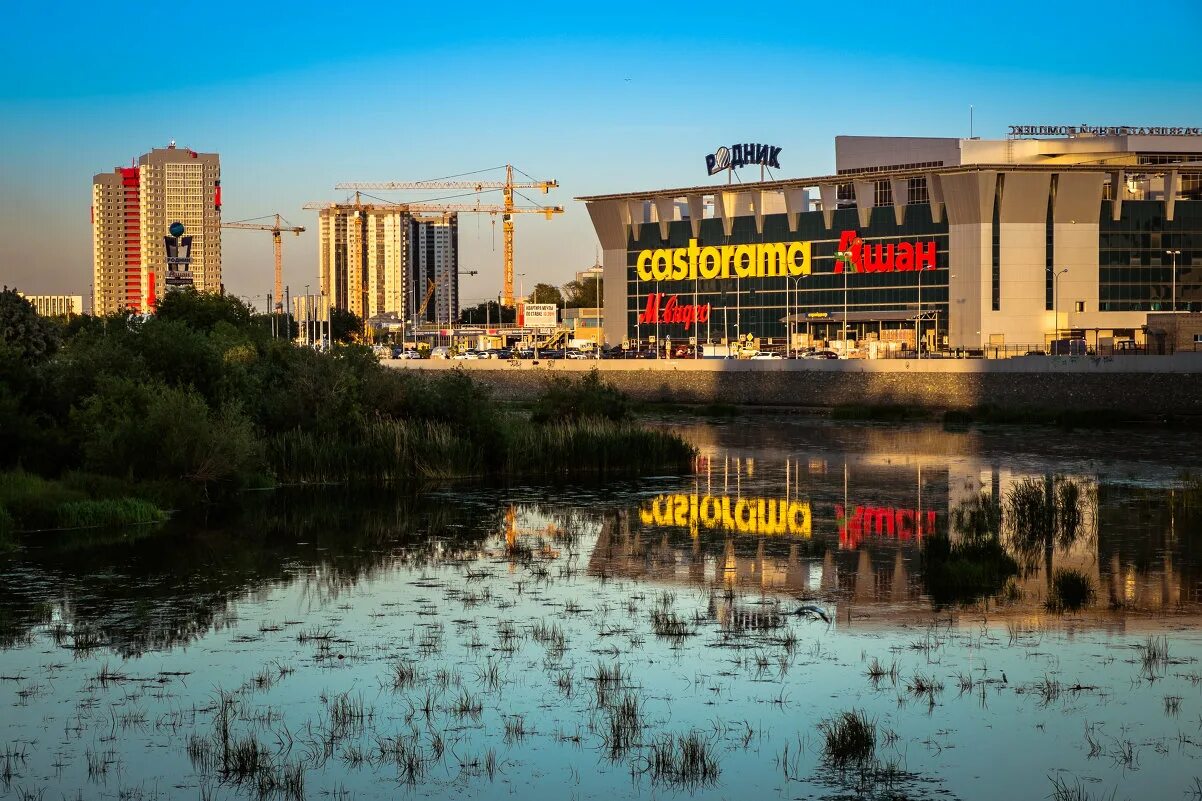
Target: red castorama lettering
902, 257
673, 311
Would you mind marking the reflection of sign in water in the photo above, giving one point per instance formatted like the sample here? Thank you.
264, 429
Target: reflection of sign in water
768, 516
882, 521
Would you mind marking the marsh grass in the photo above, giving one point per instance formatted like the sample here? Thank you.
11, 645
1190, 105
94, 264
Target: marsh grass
849, 740
623, 725
401, 449
28, 501
1070, 591
684, 760
1063, 790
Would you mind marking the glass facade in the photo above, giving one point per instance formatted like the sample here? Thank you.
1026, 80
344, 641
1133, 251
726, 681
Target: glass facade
1135, 271
758, 306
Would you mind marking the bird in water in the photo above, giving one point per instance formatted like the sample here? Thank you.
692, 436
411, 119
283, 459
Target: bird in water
811, 611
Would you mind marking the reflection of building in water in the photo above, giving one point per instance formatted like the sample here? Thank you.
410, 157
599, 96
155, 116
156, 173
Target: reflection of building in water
852, 525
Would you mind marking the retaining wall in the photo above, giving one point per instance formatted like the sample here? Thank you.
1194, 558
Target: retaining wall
1144, 385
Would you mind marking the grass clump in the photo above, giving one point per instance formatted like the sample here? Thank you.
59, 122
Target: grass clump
1070, 591
571, 399
849, 739
686, 760
30, 502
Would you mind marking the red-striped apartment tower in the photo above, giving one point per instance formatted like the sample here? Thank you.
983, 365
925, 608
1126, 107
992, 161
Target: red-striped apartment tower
132, 208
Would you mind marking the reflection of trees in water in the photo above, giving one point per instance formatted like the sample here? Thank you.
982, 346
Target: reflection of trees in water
1046, 514
161, 591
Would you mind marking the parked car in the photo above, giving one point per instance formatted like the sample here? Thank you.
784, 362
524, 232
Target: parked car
821, 354
576, 353
441, 352
763, 354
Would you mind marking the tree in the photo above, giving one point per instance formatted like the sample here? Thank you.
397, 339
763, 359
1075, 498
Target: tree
345, 326
490, 312
203, 310
583, 294
23, 333
546, 293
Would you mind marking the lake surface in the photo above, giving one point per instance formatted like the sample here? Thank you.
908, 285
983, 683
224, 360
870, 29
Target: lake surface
630, 639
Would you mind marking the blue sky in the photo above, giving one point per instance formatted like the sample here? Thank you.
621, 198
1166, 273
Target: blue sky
615, 97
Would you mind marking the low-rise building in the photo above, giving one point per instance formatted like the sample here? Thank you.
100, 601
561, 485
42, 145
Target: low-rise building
55, 305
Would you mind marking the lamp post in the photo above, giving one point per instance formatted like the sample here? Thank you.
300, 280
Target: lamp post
597, 300
1174, 254
657, 298
1056, 299
796, 307
918, 321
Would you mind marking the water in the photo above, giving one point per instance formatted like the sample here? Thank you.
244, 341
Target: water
460, 642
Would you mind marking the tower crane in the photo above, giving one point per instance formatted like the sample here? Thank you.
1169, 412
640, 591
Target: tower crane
506, 209
279, 226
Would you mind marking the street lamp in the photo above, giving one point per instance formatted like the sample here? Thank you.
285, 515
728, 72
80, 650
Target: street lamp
1174, 254
1056, 298
796, 306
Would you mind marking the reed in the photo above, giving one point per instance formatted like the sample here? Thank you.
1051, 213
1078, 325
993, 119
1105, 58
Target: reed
1070, 590
687, 760
849, 739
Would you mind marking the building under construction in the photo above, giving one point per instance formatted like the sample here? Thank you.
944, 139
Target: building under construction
384, 260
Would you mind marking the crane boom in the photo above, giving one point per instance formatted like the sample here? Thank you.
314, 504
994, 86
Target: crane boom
437, 208
276, 246
506, 209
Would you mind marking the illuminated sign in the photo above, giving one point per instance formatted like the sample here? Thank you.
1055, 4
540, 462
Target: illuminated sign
725, 158
901, 257
1101, 130
766, 516
882, 522
673, 311
720, 261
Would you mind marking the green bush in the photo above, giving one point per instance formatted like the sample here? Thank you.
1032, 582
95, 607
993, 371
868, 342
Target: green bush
565, 399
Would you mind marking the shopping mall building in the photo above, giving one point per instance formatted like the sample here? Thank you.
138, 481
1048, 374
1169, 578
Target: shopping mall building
1054, 232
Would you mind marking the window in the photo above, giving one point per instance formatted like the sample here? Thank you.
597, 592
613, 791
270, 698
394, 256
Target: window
997, 245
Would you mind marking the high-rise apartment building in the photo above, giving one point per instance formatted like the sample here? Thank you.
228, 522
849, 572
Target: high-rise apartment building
132, 209
434, 258
381, 260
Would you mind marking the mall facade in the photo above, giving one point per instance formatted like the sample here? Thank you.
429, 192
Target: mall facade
1054, 232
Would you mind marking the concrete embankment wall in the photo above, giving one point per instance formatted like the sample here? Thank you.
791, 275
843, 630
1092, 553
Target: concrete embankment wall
1143, 385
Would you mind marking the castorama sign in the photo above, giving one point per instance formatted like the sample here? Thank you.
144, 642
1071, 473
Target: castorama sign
725, 158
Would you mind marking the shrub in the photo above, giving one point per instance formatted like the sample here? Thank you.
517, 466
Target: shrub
966, 571
566, 400
1070, 590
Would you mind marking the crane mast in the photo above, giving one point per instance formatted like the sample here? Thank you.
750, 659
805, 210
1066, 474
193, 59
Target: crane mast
506, 208
276, 245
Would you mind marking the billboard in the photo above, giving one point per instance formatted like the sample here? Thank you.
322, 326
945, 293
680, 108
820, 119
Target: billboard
179, 257
538, 315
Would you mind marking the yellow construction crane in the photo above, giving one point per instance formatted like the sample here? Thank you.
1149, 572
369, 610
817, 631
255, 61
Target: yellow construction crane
421, 312
506, 209
280, 225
